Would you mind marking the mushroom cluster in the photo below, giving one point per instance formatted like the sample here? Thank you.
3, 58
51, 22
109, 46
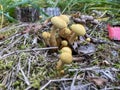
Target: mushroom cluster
62, 34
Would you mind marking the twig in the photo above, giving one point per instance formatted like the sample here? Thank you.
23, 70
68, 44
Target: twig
86, 69
28, 50
73, 81
81, 87
11, 45
25, 78
5, 79
57, 80
8, 28
46, 85
95, 28
94, 68
28, 88
63, 85
10, 37
103, 14
112, 88
29, 64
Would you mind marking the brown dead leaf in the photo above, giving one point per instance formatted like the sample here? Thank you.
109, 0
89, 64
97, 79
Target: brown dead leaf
99, 81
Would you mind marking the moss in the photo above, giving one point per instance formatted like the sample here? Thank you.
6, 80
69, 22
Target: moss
5, 66
35, 83
2, 87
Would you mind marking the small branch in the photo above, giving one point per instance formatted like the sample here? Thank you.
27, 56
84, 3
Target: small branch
94, 29
57, 80
112, 88
73, 82
8, 28
25, 78
94, 68
86, 69
28, 50
46, 85
29, 64
10, 45
10, 37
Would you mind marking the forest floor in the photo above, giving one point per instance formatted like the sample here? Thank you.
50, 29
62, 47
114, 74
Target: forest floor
26, 63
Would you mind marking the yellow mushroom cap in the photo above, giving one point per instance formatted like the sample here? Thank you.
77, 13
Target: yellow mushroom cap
65, 18
46, 35
88, 39
62, 72
66, 57
78, 29
66, 49
67, 31
64, 43
58, 22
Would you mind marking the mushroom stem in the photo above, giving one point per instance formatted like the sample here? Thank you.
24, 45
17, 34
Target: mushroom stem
61, 33
58, 39
47, 41
64, 43
64, 33
78, 30
72, 38
59, 65
53, 41
46, 37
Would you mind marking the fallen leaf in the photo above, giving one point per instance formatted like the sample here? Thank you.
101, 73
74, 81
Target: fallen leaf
114, 32
97, 80
88, 49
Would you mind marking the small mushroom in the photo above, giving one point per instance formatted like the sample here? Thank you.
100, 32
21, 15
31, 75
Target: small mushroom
59, 65
58, 23
62, 72
64, 43
66, 57
66, 49
46, 37
78, 30
64, 32
88, 39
